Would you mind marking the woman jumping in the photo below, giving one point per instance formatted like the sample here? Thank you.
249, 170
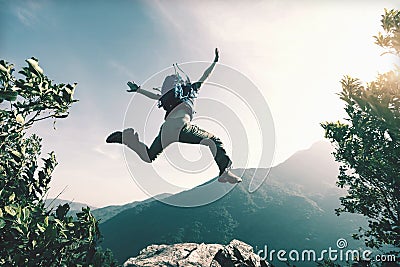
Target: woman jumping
177, 98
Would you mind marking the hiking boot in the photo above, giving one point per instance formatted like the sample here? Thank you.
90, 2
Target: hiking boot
131, 139
115, 137
129, 136
228, 176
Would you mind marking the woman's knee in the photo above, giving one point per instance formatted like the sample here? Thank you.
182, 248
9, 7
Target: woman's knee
213, 143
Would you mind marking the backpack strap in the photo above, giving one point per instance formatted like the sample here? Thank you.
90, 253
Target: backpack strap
187, 77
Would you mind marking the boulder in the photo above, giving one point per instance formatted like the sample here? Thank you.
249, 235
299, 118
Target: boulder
235, 254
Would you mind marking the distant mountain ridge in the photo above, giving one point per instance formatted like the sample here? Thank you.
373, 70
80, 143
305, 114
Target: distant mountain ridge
75, 207
294, 208
101, 214
105, 213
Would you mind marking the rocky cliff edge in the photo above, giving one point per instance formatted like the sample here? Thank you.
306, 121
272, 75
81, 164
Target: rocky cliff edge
235, 254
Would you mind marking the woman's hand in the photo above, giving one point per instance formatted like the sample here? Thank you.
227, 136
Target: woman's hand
133, 87
216, 55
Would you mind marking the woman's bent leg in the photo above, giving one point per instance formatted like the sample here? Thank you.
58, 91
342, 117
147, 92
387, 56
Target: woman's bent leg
193, 134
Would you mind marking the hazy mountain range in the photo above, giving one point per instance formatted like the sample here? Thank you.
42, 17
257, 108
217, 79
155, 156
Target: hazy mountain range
75, 207
101, 214
293, 209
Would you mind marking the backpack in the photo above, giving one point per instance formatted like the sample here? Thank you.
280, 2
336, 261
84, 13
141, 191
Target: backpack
175, 91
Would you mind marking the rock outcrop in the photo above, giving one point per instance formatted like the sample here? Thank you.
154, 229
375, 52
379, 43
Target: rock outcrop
235, 254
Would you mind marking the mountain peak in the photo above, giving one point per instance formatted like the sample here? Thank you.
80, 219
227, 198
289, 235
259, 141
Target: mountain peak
313, 169
320, 151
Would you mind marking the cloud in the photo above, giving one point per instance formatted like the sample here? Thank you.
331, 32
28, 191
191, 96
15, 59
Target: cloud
168, 15
120, 68
27, 11
110, 151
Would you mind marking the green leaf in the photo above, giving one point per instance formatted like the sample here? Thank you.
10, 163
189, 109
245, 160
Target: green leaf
12, 197
16, 158
26, 213
41, 228
2, 223
18, 228
20, 119
59, 222
10, 210
61, 116
3, 69
33, 62
8, 95
16, 154
62, 210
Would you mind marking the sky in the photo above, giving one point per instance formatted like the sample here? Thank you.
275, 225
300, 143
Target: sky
293, 52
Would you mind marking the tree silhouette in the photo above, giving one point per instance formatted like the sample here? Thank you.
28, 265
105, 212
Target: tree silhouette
31, 235
368, 146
